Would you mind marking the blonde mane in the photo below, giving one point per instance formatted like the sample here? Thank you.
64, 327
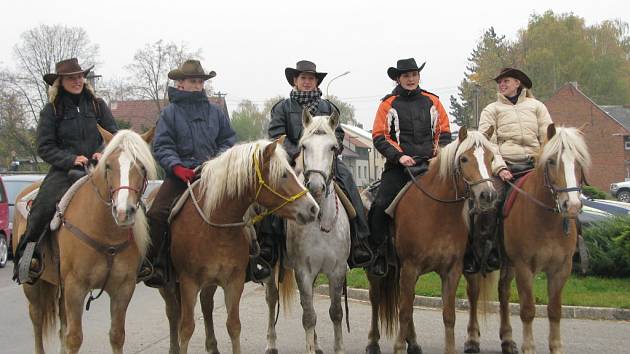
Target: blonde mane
132, 143
566, 138
232, 174
451, 152
318, 126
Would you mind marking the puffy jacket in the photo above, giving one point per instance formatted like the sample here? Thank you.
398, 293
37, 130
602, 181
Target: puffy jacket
190, 131
519, 129
410, 123
67, 130
286, 119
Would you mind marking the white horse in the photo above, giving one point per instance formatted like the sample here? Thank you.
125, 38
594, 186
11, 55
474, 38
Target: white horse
318, 247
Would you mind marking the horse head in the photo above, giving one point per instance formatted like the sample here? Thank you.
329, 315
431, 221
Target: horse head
318, 147
563, 160
125, 167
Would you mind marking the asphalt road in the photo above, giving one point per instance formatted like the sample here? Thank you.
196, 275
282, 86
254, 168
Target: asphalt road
147, 327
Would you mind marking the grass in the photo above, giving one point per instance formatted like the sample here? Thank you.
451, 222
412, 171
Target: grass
578, 291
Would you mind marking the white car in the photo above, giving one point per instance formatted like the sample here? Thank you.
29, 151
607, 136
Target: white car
621, 191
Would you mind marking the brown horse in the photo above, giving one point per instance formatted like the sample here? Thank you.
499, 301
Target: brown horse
210, 245
99, 245
539, 236
430, 235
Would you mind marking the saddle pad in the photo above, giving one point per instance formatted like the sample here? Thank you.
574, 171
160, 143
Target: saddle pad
22, 205
347, 204
65, 201
180, 202
391, 209
512, 194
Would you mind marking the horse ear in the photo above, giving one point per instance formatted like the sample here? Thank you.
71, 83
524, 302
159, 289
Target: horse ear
307, 118
463, 133
582, 127
148, 136
107, 136
270, 149
488, 133
551, 131
333, 120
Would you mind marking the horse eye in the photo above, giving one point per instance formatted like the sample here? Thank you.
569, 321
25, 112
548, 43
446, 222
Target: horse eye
284, 175
552, 162
463, 159
108, 167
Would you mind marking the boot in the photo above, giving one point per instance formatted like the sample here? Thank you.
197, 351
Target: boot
360, 253
261, 258
27, 262
378, 268
153, 269
471, 266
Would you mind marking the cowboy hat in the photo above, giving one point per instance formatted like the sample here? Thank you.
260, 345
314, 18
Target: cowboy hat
404, 66
303, 66
190, 69
516, 74
65, 68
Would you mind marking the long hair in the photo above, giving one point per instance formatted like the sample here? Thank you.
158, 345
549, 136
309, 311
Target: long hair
56, 90
451, 152
566, 139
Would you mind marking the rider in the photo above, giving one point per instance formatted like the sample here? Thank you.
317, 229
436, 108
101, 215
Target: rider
286, 119
190, 130
520, 126
410, 125
67, 137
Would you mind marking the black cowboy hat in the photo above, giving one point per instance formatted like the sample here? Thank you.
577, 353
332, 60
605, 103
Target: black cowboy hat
404, 66
190, 69
65, 68
516, 74
303, 66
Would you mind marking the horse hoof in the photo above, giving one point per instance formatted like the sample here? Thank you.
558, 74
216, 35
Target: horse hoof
414, 349
509, 347
271, 351
471, 347
373, 349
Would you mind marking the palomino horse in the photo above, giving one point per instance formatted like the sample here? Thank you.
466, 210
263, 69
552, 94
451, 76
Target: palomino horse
539, 237
100, 244
322, 246
209, 245
430, 235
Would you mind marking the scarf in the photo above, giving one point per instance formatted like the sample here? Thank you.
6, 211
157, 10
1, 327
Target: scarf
307, 99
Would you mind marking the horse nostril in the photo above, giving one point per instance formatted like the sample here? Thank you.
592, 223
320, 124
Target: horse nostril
313, 210
565, 205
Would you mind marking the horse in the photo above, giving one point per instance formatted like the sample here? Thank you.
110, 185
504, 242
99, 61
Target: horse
99, 245
209, 238
430, 235
322, 246
538, 237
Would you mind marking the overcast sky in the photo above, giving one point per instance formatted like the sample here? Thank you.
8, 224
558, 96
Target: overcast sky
249, 43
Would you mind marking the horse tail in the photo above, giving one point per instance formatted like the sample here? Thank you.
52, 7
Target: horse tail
287, 287
43, 297
487, 288
387, 295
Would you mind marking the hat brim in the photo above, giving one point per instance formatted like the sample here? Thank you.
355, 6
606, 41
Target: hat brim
51, 77
516, 74
292, 73
177, 74
394, 73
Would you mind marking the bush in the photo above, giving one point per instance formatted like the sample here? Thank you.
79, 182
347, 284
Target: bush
595, 193
609, 246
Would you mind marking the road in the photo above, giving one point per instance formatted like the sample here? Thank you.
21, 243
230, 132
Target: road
147, 327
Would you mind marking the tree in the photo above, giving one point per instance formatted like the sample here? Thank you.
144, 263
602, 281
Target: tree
16, 134
346, 110
115, 89
249, 122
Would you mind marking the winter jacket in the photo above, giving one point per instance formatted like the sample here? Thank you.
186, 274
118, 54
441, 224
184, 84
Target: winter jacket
190, 131
286, 119
67, 130
410, 123
519, 129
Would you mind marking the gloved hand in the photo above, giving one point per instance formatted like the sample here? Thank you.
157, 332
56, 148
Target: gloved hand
184, 173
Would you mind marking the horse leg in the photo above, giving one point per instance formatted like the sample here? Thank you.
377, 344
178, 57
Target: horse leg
336, 311
472, 290
233, 292
207, 306
63, 323
555, 284
271, 295
374, 335
119, 301
406, 330
449, 288
508, 346
74, 295
35, 310
524, 281
173, 313
189, 290
309, 317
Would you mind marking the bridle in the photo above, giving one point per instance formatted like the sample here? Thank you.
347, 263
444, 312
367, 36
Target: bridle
326, 176
112, 191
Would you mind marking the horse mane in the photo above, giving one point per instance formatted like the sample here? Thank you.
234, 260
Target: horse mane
451, 152
566, 138
131, 142
231, 174
318, 126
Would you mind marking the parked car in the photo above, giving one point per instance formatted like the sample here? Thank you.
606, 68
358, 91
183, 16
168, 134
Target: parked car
621, 191
613, 207
4, 226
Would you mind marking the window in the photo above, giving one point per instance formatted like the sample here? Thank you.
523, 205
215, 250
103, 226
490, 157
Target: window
365, 173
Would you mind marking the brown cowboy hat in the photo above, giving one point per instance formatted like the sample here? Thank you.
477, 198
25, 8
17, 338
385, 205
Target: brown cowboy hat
190, 69
303, 66
65, 68
404, 66
516, 74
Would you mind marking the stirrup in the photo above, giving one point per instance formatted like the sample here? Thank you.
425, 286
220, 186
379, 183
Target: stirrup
25, 274
253, 267
144, 272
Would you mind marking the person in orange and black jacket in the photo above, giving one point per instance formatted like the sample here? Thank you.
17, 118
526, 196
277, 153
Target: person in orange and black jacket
410, 125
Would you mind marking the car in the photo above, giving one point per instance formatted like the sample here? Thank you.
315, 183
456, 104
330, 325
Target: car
4, 226
621, 191
616, 208
590, 216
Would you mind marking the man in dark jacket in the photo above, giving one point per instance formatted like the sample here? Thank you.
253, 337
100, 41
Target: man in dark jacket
286, 119
190, 131
67, 137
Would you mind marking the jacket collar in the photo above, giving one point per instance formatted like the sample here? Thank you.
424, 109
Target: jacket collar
178, 96
505, 100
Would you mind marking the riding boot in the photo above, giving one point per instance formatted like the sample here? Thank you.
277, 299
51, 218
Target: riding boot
154, 263
263, 257
360, 253
471, 266
379, 222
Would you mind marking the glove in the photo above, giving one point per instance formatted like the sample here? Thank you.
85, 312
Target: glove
183, 173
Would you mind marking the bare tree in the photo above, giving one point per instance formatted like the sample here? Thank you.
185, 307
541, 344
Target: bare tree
16, 132
116, 89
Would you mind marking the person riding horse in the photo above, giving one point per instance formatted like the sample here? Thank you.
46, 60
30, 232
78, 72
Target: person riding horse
189, 131
286, 119
67, 138
519, 123
410, 125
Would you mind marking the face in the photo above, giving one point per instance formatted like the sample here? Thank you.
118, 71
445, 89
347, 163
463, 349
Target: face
566, 173
409, 80
191, 84
305, 82
179, 84
73, 83
508, 86
122, 174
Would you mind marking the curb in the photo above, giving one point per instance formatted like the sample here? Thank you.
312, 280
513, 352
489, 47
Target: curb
568, 312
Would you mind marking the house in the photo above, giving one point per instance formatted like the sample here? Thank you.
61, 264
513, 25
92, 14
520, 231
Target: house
606, 130
368, 165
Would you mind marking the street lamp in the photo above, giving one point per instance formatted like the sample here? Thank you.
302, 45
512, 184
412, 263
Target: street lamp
333, 79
